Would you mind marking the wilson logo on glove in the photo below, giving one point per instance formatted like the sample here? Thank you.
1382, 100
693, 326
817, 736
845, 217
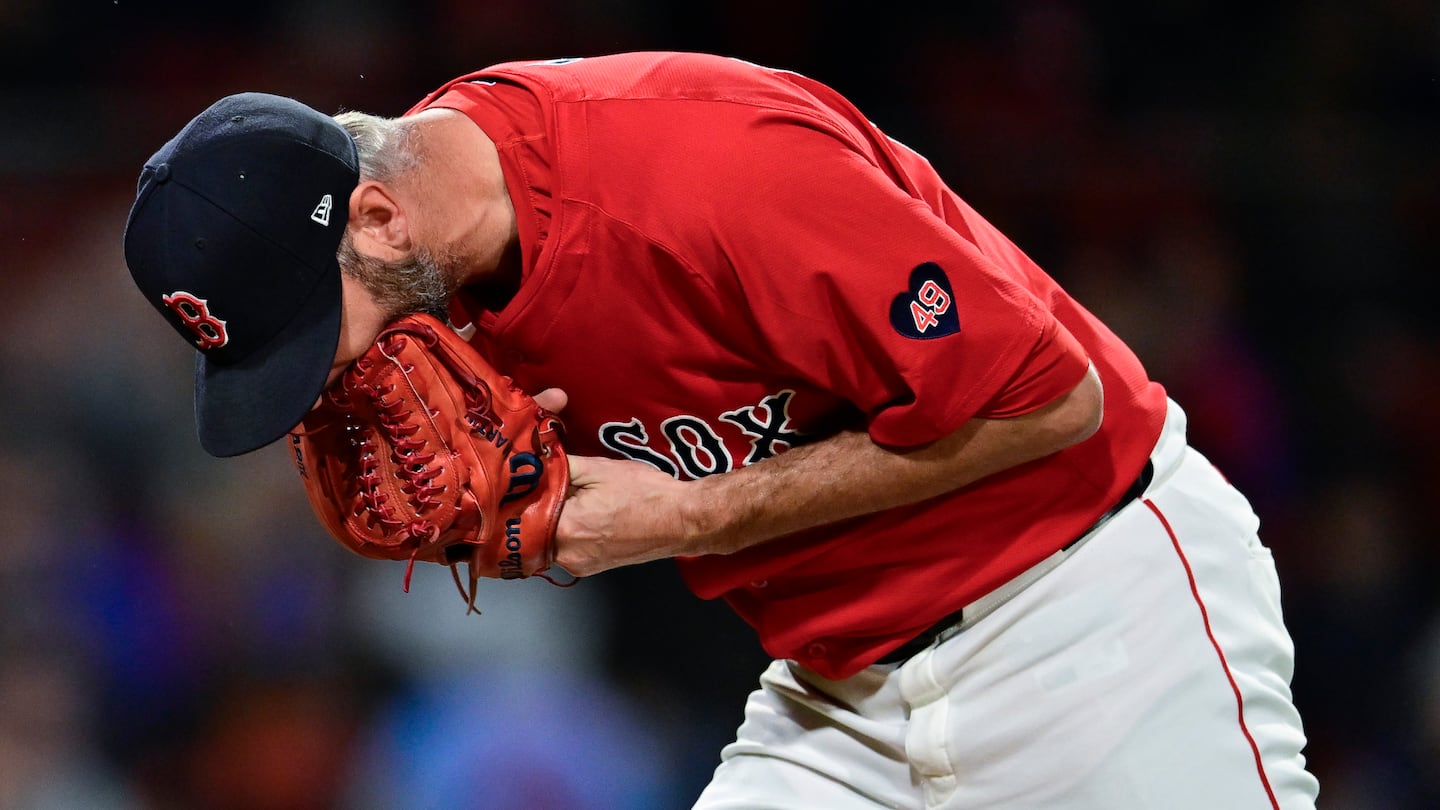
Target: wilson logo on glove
422, 451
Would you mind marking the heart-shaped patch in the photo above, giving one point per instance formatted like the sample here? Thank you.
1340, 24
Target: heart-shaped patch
927, 309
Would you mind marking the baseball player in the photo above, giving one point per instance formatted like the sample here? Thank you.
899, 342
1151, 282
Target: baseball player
957, 512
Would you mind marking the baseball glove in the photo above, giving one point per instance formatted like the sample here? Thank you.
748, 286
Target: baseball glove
423, 451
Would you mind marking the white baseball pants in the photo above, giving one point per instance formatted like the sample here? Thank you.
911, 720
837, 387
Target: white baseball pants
1150, 669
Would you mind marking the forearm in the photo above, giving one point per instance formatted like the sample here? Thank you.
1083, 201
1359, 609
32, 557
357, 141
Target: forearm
849, 475
627, 512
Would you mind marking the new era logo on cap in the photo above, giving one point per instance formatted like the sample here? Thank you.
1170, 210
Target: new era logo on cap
321, 214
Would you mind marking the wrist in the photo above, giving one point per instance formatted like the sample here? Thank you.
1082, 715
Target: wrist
702, 515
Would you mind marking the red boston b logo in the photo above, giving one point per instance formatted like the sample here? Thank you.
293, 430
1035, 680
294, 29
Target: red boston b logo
209, 330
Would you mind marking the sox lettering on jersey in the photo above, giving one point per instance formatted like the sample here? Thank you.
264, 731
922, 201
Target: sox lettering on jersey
631, 440
696, 446
766, 432
194, 312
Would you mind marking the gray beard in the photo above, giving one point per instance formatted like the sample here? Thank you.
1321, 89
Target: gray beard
423, 282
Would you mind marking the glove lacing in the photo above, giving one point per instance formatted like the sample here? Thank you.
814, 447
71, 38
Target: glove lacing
415, 467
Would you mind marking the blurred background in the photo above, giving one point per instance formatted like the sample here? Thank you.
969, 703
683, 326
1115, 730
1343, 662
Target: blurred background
1249, 194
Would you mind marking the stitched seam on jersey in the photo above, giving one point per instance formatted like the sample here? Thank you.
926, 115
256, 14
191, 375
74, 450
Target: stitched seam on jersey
541, 282
518, 140
1215, 644
829, 123
650, 240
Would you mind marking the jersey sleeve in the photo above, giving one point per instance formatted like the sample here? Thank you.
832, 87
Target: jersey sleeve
863, 290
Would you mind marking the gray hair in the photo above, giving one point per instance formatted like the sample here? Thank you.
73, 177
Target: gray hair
386, 146
386, 149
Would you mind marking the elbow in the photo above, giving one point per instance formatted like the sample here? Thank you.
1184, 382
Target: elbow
1083, 410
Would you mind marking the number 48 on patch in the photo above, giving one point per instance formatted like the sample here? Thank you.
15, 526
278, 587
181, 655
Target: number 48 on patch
926, 310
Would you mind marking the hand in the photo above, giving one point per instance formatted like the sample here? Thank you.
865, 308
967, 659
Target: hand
619, 513
553, 400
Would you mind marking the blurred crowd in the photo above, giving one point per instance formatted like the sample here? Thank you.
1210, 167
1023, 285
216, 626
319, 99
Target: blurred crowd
1248, 193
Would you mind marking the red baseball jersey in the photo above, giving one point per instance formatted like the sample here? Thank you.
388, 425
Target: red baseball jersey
723, 261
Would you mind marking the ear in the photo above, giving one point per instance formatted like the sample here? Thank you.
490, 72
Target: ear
378, 223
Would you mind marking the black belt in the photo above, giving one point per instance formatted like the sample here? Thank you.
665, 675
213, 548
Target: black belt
926, 638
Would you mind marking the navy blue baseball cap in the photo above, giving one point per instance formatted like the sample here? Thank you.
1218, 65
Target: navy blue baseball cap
232, 238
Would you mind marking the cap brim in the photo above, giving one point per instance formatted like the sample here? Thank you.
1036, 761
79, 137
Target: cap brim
245, 406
